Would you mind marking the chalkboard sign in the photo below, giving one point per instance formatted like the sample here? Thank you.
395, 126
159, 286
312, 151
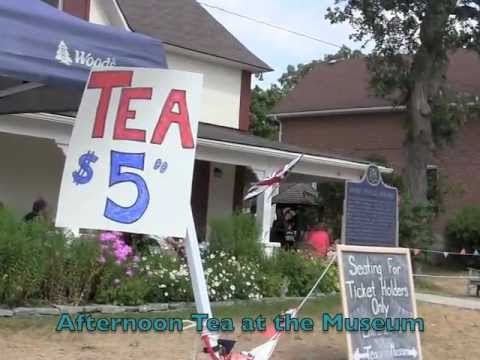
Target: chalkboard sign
370, 212
377, 283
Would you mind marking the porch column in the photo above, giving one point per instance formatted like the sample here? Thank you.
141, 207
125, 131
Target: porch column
265, 212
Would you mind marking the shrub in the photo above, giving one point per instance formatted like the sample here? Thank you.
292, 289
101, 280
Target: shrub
20, 266
415, 224
168, 278
237, 235
298, 271
41, 264
229, 277
123, 290
463, 231
81, 268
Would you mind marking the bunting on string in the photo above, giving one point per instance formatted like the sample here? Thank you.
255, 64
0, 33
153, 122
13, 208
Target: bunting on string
462, 252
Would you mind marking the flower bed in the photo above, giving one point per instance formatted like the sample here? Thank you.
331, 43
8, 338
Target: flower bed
41, 265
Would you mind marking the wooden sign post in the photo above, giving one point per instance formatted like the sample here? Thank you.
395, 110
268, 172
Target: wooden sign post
377, 286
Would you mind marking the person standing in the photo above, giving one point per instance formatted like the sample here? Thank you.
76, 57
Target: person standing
39, 211
319, 239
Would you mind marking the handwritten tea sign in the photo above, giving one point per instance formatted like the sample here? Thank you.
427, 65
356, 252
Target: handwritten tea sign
376, 283
130, 160
370, 211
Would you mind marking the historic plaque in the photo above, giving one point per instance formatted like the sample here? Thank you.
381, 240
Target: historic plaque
370, 212
377, 286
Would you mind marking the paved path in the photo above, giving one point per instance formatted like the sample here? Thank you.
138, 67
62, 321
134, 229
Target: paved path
473, 304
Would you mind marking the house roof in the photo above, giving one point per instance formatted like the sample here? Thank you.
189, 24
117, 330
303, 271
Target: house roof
345, 85
225, 134
186, 24
299, 193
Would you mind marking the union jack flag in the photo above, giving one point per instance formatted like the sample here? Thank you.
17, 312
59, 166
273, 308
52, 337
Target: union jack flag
274, 180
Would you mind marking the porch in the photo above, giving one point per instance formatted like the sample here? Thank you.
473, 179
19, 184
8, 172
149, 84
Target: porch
227, 162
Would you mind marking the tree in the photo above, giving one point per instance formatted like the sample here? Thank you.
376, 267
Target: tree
263, 101
412, 40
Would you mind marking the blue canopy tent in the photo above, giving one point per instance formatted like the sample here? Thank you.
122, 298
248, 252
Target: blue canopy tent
46, 55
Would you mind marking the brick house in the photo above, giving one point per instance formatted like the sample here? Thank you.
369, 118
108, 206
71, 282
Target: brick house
332, 109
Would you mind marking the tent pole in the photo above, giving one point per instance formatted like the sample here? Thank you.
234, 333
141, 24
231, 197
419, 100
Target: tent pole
197, 275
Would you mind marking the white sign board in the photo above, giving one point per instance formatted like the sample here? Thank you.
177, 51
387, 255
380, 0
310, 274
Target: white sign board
130, 160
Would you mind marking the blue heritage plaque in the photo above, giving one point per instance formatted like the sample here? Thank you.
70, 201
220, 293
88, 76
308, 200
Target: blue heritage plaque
371, 211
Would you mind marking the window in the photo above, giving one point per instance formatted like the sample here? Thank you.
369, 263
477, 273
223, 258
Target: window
433, 190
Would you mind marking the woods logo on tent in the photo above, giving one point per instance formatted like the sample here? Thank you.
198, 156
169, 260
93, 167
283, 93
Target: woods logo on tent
81, 57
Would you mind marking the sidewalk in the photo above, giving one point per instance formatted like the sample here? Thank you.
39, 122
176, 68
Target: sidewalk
473, 304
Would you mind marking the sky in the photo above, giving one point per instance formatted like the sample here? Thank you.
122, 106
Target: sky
278, 48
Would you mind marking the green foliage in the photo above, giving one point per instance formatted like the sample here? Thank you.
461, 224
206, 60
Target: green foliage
81, 268
297, 272
415, 228
124, 291
450, 111
39, 263
263, 102
229, 277
237, 235
20, 266
463, 231
168, 278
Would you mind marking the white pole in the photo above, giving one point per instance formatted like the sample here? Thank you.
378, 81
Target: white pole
197, 275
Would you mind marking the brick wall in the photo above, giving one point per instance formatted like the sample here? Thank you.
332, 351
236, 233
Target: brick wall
461, 164
245, 101
352, 135
359, 136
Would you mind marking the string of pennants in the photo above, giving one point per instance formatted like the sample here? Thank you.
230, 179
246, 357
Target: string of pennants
462, 252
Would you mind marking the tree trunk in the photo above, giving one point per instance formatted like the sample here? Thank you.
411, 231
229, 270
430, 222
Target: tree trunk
419, 144
428, 72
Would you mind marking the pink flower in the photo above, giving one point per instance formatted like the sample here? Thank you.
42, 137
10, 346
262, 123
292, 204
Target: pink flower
102, 259
136, 258
129, 272
107, 236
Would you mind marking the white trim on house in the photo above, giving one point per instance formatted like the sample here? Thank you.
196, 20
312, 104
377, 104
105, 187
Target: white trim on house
257, 157
362, 110
212, 58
